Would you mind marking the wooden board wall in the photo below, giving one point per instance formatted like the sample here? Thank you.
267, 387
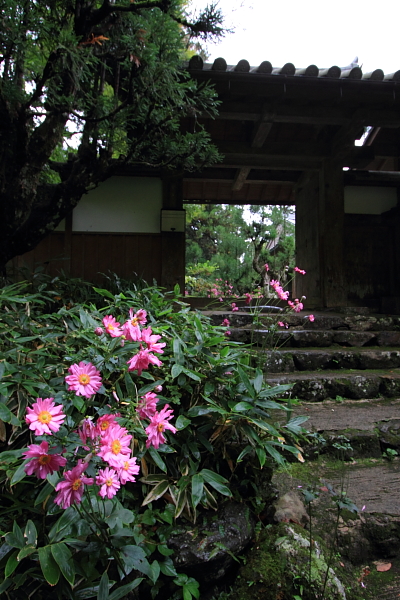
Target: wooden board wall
130, 255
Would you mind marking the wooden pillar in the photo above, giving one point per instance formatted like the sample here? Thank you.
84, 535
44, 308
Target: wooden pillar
331, 234
308, 242
173, 242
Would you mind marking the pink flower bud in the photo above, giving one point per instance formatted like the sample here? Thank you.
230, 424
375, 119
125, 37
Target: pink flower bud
99, 331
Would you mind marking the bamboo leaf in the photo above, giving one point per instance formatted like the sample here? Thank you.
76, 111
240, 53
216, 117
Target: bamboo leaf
48, 565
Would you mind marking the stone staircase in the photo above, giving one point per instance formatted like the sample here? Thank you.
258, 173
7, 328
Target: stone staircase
345, 371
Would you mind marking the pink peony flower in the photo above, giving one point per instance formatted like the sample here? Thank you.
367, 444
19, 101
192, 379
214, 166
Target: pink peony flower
249, 298
104, 422
266, 267
142, 360
311, 318
112, 326
227, 332
71, 489
158, 388
281, 324
147, 405
159, 423
298, 307
234, 307
128, 470
140, 316
45, 417
84, 379
87, 430
42, 463
108, 480
301, 271
151, 341
226, 322
115, 445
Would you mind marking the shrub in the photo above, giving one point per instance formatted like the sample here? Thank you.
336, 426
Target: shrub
172, 395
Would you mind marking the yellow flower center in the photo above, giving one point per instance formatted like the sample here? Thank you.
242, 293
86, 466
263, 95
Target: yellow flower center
116, 447
84, 379
44, 459
76, 485
109, 326
134, 321
160, 427
104, 425
126, 465
109, 482
44, 417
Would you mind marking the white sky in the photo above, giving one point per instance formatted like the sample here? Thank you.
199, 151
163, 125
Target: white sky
306, 32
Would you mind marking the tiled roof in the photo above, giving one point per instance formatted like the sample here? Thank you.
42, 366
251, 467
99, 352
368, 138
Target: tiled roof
351, 71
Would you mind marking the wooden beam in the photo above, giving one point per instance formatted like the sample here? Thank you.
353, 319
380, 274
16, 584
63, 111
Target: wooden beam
306, 115
383, 178
240, 178
260, 134
279, 163
288, 148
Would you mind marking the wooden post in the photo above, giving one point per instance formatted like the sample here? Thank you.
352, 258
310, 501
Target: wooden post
173, 242
331, 238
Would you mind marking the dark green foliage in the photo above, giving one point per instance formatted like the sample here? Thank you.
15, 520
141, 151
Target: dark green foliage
86, 88
224, 437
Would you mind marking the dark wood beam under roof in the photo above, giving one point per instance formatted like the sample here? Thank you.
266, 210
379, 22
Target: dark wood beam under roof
291, 120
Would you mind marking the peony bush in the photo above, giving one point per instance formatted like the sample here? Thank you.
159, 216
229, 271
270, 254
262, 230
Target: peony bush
120, 419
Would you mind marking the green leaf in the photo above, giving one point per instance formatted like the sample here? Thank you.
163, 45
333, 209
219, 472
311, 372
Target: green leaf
10, 456
48, 565
197, 411
12, 564
26, 551
157, 459
182, 422
258, 381
44, 493
15, 539
61, 527
167, 567
197, 489
265, 426
104, 293
262, 456
216, 481
242, 406
134, 557
176, 370
63, 558
150, 386
125, 589
103, 587
246, 382
191, 374
79, 403
157, 492
30, 533
19, 473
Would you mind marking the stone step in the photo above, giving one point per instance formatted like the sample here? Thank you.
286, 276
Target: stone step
354, 384
313, 359
322, 320
301, 338
370, 427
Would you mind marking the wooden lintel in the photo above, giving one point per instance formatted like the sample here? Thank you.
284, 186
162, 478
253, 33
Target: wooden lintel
288, 148
279, 163
248, 181
309, 115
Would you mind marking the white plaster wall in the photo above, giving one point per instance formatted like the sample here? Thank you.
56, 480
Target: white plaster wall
121, 204
366, 200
